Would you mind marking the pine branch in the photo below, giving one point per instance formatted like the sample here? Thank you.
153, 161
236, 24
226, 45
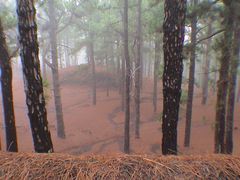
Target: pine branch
210, 36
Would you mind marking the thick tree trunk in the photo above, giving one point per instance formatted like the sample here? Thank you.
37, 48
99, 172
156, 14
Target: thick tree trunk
191, 78
232, 89
127, 81
55, 74
92, 61
206, 66
173, 39
32, 76
223, 81
7, 95
156, 70
138, 70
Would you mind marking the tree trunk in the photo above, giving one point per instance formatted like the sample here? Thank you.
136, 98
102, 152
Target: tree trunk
55, 74
156, 70
138, 70
191, 77
120, 90
149, 60
60, 56
92, 61
67, 54
232, 89
223, 81
44, 68
127, 81
123, 82
206, 66
7, 95
32, 76
173, 27
75, 59
215, 81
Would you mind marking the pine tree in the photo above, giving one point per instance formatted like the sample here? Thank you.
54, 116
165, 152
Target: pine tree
156, 70
232, 81
191, 81
54, 68
223, 79
29, 51
173, 28
93, 71
7, 95
138, 69
206, 65
127, 81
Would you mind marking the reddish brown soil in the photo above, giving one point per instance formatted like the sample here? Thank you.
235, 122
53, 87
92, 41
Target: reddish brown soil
99, 129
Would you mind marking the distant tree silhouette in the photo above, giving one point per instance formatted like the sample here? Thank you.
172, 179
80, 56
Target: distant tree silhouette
206, 66
156, 70
127, 81
191, 81
54, 68
93, 71
138, 70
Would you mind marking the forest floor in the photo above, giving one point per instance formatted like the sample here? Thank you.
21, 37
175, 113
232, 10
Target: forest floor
99, 129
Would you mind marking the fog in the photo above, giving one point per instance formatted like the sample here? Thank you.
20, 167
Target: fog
83, 69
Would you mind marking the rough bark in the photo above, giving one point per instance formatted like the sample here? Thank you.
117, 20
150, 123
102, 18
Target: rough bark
55, 74
127, 81
7, 95
173, 39
223, 81
138, 70
29, 52
191, 77
232, 88
156, 70
206, 66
